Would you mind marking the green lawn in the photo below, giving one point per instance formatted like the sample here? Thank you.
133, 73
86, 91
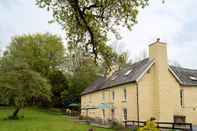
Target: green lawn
40, 120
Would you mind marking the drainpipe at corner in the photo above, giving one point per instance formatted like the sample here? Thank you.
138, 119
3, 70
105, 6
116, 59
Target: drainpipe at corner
138, 113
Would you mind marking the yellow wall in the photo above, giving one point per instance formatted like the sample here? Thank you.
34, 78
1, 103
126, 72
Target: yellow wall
190, 104
146, 96
167, 89
118, 103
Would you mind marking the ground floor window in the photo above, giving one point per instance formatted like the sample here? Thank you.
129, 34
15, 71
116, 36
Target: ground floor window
179, 119
125, 114
112, 114
103, 114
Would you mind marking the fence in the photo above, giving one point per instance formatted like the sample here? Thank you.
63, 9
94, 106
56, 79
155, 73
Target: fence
161, 125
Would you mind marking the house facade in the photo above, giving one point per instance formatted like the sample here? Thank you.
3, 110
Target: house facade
148, 88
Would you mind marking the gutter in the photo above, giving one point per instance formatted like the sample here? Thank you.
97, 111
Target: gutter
108, 87
138, 107
174, 74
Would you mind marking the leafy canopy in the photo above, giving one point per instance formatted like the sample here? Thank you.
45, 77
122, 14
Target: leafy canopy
26, 68
42, 52
89, 22
18, 84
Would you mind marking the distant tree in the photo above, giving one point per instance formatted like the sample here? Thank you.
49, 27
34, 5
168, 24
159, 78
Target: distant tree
83, 74
88, 22
76, 55
18, 84
59, 83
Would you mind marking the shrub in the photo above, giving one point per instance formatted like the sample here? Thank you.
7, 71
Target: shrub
150, 126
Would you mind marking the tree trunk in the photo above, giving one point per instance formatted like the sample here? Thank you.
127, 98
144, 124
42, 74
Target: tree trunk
15, 113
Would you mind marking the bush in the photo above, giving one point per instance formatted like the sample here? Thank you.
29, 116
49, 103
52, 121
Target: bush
150, 126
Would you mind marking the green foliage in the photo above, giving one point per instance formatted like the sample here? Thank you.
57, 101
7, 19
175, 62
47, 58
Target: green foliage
59, 84
89, 22
150, 126
18, 84
42, 52
82, 76
27, 69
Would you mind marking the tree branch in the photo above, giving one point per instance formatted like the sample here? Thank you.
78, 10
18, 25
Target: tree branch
75, 5
90, 7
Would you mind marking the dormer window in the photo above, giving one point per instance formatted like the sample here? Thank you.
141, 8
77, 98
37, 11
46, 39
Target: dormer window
193, 78
128, 72
114, 77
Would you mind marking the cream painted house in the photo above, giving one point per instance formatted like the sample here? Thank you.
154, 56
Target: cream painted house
148, 88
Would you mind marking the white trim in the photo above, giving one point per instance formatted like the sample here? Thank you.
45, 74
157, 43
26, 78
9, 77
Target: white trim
144, 72
174, 74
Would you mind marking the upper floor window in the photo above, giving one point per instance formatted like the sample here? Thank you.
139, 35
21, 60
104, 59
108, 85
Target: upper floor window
128, 72
113, 95
181, 97
125, 94
114, 77
193, 78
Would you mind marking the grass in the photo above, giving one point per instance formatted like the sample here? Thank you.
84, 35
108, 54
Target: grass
40, 120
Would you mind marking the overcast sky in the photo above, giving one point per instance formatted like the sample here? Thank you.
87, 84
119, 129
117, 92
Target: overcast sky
173, 22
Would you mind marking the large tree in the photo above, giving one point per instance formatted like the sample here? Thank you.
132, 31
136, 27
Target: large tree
43, 53
18, 84
89, 22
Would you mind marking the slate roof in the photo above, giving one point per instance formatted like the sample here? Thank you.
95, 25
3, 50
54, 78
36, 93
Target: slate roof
119, 78
183, 75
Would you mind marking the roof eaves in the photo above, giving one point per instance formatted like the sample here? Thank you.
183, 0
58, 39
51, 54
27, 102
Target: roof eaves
144, 72
174, 74
82, 94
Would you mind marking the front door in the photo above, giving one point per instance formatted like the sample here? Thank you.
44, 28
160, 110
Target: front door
179, 119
